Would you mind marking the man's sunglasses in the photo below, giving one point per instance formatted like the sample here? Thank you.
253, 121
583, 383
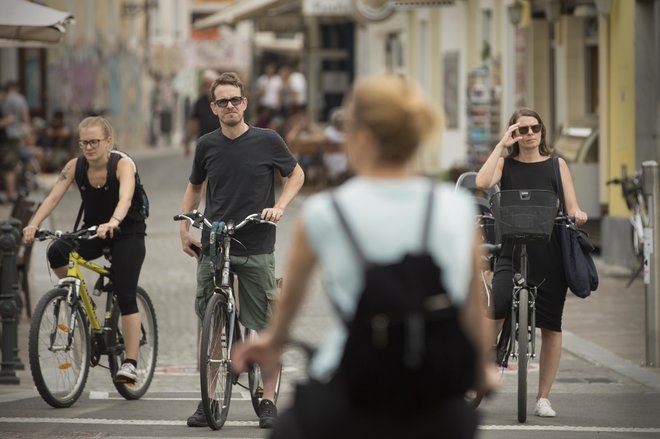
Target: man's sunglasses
235, 101
524, 130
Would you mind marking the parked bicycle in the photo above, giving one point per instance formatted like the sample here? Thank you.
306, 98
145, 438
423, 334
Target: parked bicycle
66, 337
522, 217
220, 326
632, 193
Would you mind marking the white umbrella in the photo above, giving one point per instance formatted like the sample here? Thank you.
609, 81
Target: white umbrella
26, 21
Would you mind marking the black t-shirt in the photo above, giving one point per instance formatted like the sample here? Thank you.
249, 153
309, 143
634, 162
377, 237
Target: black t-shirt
241, 181
202, 112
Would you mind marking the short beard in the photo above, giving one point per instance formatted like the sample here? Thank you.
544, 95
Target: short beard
232, 123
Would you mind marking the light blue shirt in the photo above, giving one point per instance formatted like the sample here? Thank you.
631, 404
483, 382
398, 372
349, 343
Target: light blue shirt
387, 217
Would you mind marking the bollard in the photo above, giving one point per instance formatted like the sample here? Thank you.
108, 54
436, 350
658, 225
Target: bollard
651, 189
8, 307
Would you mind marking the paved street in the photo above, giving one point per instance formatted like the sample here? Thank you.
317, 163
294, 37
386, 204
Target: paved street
601, 390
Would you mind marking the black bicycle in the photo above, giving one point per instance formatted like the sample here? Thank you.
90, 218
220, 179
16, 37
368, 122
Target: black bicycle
522, 217
220, 326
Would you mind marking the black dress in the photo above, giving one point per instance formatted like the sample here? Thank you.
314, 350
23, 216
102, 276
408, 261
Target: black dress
546, 269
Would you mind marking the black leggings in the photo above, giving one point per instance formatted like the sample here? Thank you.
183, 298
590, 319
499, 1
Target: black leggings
127, 257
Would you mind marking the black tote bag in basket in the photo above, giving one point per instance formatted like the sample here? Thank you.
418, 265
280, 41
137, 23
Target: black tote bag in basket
524, 215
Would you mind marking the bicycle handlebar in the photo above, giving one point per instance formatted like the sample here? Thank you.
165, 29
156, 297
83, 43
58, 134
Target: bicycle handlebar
197, 220
89, 233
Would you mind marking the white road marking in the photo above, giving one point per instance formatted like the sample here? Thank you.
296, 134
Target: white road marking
146, 422
114, 421
582, 429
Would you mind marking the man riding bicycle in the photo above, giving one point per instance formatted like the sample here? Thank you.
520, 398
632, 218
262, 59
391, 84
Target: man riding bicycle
238, 164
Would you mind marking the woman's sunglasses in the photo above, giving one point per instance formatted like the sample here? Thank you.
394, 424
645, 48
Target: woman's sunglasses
524, 130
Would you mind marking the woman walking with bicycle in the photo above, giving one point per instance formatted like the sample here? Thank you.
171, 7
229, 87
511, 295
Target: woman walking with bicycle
108, 202
400, 262
522, 160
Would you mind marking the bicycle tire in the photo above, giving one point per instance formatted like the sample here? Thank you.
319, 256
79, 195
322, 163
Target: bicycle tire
256, 384
60, 375
147, 353
214, 363
523, 344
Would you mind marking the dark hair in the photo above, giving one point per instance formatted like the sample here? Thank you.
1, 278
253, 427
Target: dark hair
227, 78
515, 148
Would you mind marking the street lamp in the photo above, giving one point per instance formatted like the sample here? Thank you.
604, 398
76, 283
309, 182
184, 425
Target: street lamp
552, 10
515, 12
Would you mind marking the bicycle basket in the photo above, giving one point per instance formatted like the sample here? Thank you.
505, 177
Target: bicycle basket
524, 215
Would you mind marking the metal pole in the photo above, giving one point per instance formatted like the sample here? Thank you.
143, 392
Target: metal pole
8, 306
18, 229
651, 189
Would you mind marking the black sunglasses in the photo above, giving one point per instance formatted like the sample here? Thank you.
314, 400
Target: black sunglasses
235, 101
535, 129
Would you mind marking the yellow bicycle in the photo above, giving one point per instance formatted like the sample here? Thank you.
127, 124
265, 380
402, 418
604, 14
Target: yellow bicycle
66, 337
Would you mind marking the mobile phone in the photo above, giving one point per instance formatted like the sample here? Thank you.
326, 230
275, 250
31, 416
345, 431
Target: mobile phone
197, 250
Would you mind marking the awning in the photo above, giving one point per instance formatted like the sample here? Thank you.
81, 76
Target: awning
237, 11
26, 21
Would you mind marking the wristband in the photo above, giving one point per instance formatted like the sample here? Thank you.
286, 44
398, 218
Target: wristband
118, 218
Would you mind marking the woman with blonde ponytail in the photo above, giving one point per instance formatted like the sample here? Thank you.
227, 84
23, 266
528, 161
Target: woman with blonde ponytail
395, 249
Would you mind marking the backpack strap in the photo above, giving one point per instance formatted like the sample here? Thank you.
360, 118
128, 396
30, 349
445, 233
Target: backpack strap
558, 184
426, 230
347, 229
427, 220
79, 176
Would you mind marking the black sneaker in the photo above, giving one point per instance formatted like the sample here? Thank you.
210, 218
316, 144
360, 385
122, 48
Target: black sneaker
198, 419
267, 413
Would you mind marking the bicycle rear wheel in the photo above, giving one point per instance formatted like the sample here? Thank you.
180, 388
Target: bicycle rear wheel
214, 362
523, 344
59, 349
256, 382
148, 350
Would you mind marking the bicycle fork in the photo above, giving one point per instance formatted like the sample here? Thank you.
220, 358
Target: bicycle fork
531, 312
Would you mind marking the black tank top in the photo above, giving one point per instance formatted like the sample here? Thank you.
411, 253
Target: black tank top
100, 204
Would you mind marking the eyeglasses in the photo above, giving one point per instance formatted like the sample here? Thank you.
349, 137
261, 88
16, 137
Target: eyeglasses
235, 101
94, 143
535, 129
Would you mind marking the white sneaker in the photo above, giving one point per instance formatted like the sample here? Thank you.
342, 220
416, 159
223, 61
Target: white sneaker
544, 409
126, 374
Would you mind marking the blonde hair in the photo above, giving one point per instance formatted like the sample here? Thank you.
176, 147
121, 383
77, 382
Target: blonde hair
99, 121
396, 113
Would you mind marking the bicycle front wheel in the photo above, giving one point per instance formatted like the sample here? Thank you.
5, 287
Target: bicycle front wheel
214, 362
59, 349
523, 344
147, 352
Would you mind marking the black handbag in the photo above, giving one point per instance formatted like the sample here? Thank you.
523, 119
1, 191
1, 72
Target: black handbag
579, 267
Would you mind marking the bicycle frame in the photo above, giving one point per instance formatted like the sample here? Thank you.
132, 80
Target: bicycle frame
75, 275
520, 280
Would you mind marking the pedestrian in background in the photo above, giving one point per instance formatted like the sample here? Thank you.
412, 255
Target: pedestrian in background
359, 236
109, 202
238, 162
202, 120
59, 138
16, 108
268, 93
522, 160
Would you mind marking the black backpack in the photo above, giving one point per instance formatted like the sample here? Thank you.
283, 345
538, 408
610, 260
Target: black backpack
405, 346
139, 209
